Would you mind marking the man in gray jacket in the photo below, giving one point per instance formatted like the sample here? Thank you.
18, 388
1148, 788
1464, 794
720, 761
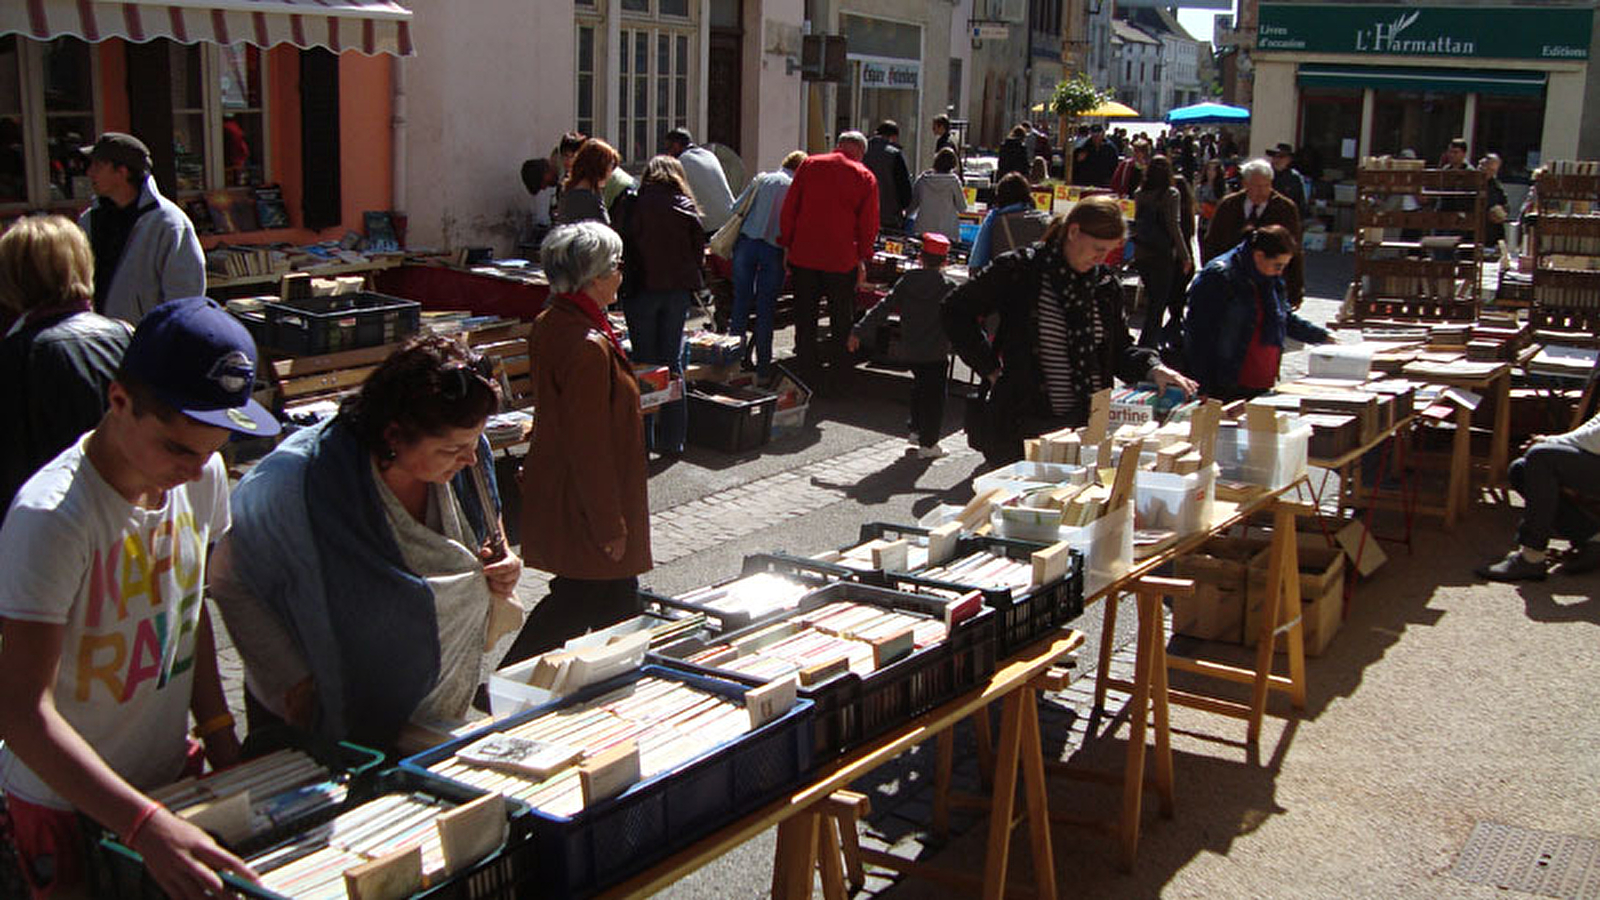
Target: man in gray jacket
145, 248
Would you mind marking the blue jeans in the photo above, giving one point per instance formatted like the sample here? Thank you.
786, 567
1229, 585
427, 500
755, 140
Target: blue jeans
757, 278
655, 326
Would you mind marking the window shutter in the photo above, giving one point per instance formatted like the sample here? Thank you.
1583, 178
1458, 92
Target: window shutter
149, 84
321, 203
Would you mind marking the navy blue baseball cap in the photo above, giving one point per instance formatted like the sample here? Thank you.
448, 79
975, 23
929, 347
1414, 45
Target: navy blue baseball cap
200, 360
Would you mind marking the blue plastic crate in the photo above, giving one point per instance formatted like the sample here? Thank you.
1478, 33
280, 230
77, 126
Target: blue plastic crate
851, 708
607, 842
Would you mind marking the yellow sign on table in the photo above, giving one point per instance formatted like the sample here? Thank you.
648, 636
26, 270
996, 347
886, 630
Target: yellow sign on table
971, 193
1043, 200
893, 248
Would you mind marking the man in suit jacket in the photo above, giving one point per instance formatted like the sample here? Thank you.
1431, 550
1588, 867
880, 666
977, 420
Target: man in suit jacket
1243, 211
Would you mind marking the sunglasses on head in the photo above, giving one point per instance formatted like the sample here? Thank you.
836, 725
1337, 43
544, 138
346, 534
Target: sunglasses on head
456, 379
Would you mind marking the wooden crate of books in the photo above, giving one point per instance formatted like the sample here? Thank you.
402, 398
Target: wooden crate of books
867, 657
622, 773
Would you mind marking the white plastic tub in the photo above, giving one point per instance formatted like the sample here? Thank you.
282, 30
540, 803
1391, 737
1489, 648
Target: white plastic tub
1023, 475
1267, 458
1180, 503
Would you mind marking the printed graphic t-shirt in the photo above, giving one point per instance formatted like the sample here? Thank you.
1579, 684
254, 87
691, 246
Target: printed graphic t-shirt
127, 583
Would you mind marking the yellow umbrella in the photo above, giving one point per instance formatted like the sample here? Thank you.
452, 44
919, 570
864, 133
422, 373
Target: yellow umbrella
1111, 109
1037, 107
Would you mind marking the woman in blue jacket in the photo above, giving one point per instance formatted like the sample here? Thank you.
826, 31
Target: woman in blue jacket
1238, 318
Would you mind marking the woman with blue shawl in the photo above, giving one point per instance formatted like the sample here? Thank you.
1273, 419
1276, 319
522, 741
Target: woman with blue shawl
366, 556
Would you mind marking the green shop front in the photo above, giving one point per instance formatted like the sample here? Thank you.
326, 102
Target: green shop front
1346, 81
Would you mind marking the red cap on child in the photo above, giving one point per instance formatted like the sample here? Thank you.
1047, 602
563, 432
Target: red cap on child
935, 244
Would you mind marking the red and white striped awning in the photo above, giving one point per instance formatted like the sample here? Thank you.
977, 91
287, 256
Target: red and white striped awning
368, 26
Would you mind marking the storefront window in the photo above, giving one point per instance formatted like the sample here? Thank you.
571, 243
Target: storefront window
1330, 125
885, 79
243, 118
13, 162
1424, 122
1511, 127
188, 116
68, 115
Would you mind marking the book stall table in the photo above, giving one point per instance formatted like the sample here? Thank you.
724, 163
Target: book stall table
445, 287
1493, 382
369, 268
1391, 441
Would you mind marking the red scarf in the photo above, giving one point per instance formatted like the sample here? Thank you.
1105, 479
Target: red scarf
591, 310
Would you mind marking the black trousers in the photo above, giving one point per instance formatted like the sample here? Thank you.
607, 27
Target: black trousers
573, 607
811, 286
927, 400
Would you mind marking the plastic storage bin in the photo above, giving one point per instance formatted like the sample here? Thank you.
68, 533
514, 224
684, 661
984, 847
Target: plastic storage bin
1022, 616
1267, 458
812, 573
505, 874
852, 708
341, 322
1180, 503
729, 419
605, 843
1024, 475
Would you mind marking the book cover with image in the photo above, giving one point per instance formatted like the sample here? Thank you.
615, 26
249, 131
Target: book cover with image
232, 212
270, 209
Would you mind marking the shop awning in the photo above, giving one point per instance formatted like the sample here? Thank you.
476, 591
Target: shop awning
368, 26
1407, 78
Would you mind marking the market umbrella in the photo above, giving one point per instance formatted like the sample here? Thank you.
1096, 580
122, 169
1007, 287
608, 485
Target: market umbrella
1111, 109
1208, 114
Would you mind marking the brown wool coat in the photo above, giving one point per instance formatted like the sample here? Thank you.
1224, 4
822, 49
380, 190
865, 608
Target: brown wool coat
1228, 229
583, 482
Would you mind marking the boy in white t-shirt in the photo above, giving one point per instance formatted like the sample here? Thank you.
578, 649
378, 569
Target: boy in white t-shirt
106, 648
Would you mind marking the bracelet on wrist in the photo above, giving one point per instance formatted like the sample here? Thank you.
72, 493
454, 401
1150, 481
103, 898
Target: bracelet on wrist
213, 725
139, 821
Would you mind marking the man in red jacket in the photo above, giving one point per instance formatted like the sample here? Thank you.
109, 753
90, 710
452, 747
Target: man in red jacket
829, 221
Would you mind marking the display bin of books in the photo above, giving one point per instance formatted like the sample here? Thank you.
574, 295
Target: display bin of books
729, 419
1025, 475
766, 588
1172, 502
867, 657
622, 773
1002, 569
311, 325
1271, 459
422, 836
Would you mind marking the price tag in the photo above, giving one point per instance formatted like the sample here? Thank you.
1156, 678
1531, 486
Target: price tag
893, 248
1043, 200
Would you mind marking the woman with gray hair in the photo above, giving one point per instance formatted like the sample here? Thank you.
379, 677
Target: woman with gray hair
585, 513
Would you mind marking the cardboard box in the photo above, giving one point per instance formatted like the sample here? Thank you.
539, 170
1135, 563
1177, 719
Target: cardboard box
1322, 571
1219, 569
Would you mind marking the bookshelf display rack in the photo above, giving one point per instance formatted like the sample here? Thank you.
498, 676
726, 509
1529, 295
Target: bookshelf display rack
1397, 279
377, 264
1566, 247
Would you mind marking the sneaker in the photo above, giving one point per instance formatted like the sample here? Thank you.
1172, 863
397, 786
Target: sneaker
1581, 559
934, 452
1515, 567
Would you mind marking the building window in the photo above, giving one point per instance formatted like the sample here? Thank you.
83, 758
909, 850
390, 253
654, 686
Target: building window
1511, 127
585, 79
48, 109
1329, 118
1423, 121
653, 77
242, 102
219, 116
13, 162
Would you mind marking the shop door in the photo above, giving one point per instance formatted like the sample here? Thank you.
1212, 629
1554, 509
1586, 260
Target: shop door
724, 89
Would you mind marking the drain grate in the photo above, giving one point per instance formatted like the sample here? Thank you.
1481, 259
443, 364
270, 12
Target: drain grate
1535, 862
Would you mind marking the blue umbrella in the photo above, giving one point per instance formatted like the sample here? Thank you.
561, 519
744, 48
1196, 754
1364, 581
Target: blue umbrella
1208, 114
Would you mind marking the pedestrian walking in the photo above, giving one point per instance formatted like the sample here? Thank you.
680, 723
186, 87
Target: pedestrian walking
887, 164
1160, 250
664, 227
145, 248
1257, 205
1062, 333
1015, 154
938, 198
758, 270
828, 225
923, 347
1494, 202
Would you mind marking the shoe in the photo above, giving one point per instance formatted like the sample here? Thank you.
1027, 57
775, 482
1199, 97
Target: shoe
1515, 567
934, 452
1581, 559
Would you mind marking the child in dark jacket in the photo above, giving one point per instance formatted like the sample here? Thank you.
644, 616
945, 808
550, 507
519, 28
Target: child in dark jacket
923, 346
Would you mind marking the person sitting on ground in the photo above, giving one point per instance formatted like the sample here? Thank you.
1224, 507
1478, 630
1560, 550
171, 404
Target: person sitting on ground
938, 198
106, 647
366, 556
581, 193
61, 356
1013, 222
1552, 466
1239, 317
922, 346
1062, 332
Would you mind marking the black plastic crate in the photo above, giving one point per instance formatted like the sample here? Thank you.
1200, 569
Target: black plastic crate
816, 574
1024, 617
606, 843
850, 708
342, 322
729, 419
505, 874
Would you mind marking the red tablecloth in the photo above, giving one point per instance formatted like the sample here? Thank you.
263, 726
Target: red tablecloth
436, 287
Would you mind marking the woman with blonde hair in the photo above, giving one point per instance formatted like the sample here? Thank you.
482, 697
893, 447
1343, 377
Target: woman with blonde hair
1062, 332
664, 233
582, 199
58, 355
